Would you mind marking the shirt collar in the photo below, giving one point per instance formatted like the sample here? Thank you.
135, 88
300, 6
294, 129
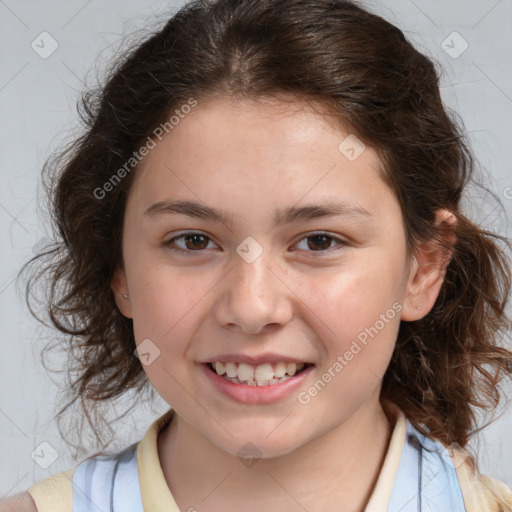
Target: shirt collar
157, 497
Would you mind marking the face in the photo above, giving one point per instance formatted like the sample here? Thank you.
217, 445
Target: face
264, 285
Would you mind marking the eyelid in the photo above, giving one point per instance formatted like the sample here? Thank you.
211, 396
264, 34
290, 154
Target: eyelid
167, 243
340, 242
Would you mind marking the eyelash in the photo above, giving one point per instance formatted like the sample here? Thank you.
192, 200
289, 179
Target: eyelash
168, 244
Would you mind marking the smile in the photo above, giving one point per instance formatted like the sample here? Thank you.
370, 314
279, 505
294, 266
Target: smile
267, 374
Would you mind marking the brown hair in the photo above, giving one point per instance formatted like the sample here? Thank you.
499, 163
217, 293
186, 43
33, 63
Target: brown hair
365, 72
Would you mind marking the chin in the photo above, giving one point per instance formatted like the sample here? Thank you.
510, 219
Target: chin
259, 446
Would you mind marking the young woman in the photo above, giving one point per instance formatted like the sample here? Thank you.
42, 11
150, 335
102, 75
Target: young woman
262, 222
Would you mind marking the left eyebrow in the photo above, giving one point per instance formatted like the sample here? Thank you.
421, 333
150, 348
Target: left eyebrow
288, 216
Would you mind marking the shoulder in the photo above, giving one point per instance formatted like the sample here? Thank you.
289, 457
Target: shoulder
481, 493
500, 492
93, 478
21, 502
53, 494
457, 472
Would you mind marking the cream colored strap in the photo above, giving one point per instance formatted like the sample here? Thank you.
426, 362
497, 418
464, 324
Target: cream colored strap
481, 493
54, 494
381, 496
155, 493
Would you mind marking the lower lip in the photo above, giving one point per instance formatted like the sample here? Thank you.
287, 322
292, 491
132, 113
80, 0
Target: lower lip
256, 394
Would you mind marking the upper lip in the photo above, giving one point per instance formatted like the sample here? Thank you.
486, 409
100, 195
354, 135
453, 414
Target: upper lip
256, 359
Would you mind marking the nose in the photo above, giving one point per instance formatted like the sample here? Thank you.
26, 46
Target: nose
254, 296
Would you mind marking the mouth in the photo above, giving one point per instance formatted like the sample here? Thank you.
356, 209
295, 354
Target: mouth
267, 374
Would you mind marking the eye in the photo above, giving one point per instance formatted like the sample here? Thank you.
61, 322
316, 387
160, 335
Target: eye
194, 242
320, 241
197, 242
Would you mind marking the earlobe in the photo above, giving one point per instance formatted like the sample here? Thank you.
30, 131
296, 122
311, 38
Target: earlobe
120, 289
429, 269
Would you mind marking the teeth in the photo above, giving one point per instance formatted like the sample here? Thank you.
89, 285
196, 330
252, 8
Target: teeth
265, 374
291, 369
280, 370
231, 369
245, 372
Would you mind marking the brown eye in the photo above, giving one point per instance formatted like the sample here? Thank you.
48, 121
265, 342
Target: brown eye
195, 241
192, 242
320, 242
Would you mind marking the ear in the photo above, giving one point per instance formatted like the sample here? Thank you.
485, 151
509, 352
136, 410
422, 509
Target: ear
119, 287
428, 270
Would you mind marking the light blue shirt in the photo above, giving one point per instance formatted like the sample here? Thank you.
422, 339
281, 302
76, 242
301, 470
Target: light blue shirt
426, 480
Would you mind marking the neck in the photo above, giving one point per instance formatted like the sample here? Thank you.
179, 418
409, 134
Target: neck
341, 466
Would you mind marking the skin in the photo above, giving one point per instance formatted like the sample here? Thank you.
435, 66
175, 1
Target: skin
21, 502
253, 159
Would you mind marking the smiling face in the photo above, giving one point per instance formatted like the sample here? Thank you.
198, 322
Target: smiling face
263, 285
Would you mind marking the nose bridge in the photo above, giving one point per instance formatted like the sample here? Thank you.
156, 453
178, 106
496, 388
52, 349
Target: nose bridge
252, 272
254, 296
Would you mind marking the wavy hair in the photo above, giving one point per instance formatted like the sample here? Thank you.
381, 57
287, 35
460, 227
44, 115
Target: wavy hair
365, 72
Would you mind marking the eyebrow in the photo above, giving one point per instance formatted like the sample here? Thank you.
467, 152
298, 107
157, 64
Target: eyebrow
288, 216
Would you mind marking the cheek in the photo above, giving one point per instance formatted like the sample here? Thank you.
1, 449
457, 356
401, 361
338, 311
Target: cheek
358, 304
163, 324
359, 321
164, 298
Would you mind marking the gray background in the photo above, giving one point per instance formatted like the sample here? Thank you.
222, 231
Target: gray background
37, 105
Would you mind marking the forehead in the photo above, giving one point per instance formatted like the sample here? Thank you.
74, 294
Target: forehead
224, 148
221, 126
217, 122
